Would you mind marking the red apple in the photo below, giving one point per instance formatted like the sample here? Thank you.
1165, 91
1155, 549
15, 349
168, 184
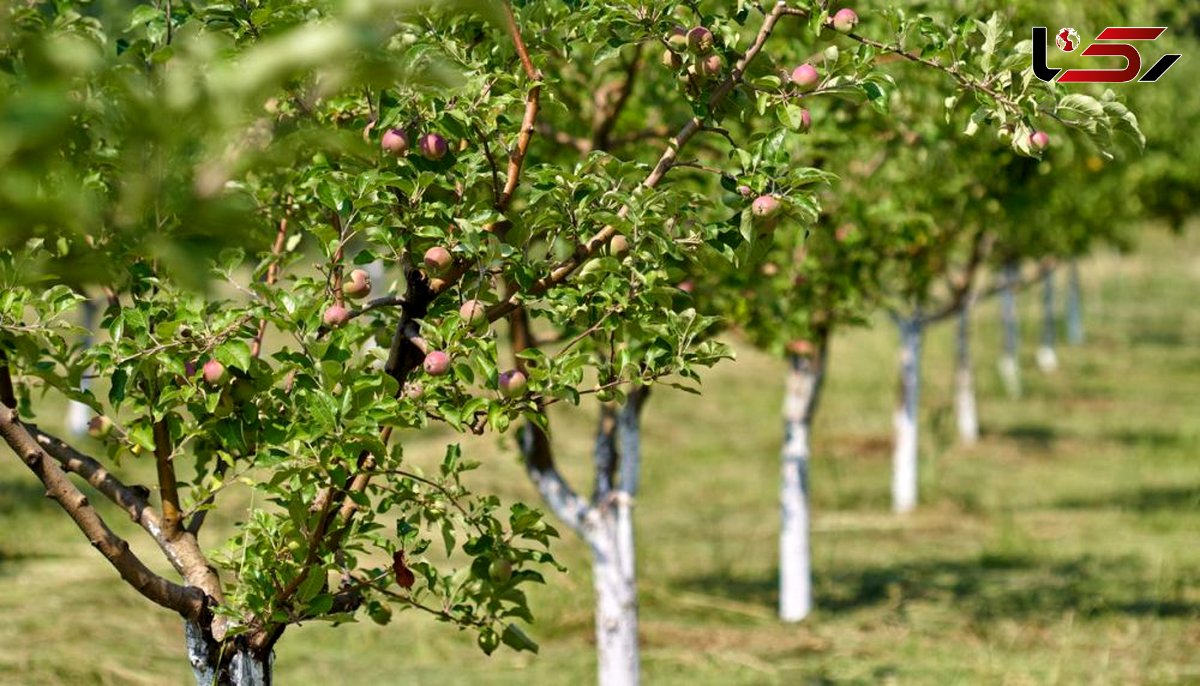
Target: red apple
473, 312
215, 373
765, 207
436, 363
438, 259
1040, 140
394, 141
845, 20
700, 40
358, 285
336, 316
513, 383
433, 147
806, 77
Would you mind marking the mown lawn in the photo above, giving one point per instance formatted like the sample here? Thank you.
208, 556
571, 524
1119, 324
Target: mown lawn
1064, 548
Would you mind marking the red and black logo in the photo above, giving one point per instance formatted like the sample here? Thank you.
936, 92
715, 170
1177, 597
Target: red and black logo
1068, 41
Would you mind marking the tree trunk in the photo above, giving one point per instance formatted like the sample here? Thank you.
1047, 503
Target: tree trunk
1047, 357
964, 379
233, 664
805, 374
1074, 305
1010, 370
615, 580
78, 414
904, 459
614, 568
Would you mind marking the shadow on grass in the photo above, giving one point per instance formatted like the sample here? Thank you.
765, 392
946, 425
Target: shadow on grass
1035, 436
989, 587
21, 494
1141, 499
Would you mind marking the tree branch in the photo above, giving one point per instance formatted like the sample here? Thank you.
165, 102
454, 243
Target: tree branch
187, 601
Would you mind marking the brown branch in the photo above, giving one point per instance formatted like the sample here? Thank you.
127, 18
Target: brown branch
606, 116
981, 245
187, 601
532, 103
272, 277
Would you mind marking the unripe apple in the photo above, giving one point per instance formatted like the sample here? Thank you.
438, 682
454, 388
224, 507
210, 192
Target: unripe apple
438, 259
414, 390
1040, 140
358, 285
709, 67
805, 121
678, 39
436, 363
433, 147
394, 141
765, 207
513, 383
215, 373
806, 77
336, 316
745, 191
474, 313
618, 246
500, 570
671, 60
100, 427
700, 40
845, 20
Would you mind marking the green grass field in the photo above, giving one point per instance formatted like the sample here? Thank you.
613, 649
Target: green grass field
1063, 549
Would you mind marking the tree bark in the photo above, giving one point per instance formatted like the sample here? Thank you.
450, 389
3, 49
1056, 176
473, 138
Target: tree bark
233, 664
1047, 356
1074, 305
803, 390
904, 459
1010, 370
965, 411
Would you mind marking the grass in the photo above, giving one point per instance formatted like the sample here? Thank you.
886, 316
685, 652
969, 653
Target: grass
1059, 550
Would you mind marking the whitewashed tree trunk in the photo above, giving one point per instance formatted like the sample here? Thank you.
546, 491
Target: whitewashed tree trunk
803, 389
212, 668
1047, 356
78, 414
606, 523
965, 412
1074, 305
1010, 370
904, 459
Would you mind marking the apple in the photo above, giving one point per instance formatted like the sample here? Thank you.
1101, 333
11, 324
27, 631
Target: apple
845, 20
433, 147
800, 347
765, 207
618, 246
513, 383
394, 141
358, 285
678, 39
500, 570
1040, 140
437, 363
414, 390
672, 60
745, 191
215, 373
700, 40
686, 286
100, 427
843, 233
709, 67
805, 121
806, 77
474, 313
438, 259
336, 316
